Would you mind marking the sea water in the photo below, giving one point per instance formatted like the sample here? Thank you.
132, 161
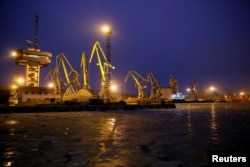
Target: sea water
147, 137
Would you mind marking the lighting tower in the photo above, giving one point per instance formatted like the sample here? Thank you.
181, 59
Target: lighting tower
108, 31
32, 58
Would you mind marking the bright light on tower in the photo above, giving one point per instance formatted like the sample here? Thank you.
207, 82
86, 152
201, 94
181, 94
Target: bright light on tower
113, 87
106, 29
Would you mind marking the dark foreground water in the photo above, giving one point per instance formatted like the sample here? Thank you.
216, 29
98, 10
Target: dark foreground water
139, 138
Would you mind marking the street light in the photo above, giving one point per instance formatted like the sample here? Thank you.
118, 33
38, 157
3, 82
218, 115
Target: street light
212, 88
50, 85
242, 93
14, 87
20, 80
13, 54
113, 87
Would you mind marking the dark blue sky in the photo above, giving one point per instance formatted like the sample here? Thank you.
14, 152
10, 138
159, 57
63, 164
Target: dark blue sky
207, 40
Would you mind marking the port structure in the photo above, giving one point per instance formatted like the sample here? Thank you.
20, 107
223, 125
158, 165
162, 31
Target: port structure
64, 77
32, 58
104, 66
155, 87
66, 80
83, 66
140, 83
173, 83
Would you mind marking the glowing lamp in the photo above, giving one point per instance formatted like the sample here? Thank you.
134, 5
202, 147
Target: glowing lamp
13, 87
113, 87
50, 85
106, 29
20, 80
212, 88
13, 53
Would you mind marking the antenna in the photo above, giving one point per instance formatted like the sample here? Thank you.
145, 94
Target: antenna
36, 46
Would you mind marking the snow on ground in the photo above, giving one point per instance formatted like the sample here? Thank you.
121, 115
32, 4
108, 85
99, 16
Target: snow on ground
136, 138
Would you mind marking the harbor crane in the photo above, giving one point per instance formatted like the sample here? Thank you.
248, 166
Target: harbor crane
70, 75
173, 84
140, 83
194, 87
155, 87
104, 66
68, 84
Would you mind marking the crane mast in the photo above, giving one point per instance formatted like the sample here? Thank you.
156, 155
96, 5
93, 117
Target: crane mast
140, 83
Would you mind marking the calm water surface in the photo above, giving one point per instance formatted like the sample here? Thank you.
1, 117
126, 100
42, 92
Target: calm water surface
172, 137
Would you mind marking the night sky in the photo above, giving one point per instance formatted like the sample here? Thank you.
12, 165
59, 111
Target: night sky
206, 40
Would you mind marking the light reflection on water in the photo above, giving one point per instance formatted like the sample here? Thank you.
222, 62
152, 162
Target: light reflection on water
189, 122
213, 125
12, 122
190, 129
108, 128
111, 124
6, 164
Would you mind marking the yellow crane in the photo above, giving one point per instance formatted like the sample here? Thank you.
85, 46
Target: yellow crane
104, 66
68, 84
140, 84
74, 93
155, 87
173, 83
70, 75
